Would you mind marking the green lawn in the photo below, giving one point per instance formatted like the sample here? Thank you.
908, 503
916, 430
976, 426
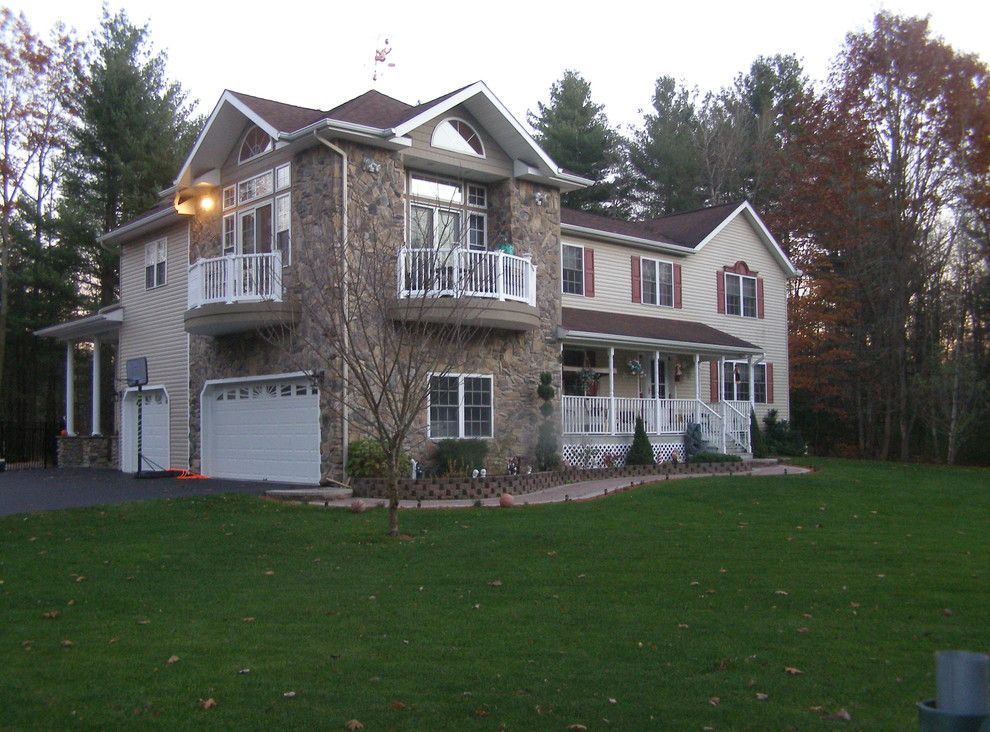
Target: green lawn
634, 612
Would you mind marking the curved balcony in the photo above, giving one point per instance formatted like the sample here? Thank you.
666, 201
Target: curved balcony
478, 288
237, 293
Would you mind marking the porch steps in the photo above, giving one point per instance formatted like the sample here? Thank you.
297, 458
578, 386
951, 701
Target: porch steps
309, 494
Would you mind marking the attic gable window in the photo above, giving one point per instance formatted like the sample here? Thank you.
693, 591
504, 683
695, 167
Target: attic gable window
458, 136
256, 142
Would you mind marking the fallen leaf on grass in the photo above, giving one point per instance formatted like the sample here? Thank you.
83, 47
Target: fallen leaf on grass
289, 694
112, 641
793, 671
840, 716
248, 620
781, 592
854, 605
577, 727
244, 671
682, 626
353, 724
398, 706
760, 696
612, 701
51, 614
67, 643
172, 659
551, 553
804, 630
723, 570
495, 583
270, 573
144, 622
80, 578
947, 612
695, 583
207, 703
714, 701
481, 712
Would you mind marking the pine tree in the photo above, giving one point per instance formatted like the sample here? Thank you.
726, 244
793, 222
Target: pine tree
641, 451
575, 132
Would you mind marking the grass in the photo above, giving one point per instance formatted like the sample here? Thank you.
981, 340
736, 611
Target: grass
661, 599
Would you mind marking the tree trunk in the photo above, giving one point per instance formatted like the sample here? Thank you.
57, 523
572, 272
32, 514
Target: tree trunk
393, 497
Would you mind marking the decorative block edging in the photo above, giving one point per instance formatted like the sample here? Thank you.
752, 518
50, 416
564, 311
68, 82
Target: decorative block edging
518, 485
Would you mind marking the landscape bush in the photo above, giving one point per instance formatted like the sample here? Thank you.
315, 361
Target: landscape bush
641, 451
458, 458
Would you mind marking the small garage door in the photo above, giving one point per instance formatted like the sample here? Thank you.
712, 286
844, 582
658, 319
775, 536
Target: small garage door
262, 430
154, 431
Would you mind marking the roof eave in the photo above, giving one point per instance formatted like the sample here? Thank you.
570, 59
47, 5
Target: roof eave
683, 347
624, 239
137, 226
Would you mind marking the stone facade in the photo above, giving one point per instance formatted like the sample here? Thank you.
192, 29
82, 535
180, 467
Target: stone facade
88, 452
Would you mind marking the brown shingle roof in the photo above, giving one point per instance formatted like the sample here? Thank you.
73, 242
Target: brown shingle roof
283, 117
638, 326
686, 229
372, 108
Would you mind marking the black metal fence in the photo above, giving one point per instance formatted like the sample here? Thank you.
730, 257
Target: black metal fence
30, 445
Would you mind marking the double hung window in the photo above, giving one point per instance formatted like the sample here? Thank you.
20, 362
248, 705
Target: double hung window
572, 269
740, 295
155, 257
446, 214
657, 281
735, 382
460, 406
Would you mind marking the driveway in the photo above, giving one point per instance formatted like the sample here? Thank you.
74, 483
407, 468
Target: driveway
22, 491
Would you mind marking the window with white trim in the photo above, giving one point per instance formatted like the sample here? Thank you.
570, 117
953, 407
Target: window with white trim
460, 406
256, 142
155, 260
445, 213
572, 269
258, 215
735, 382
657, 282
458, 135
740, 295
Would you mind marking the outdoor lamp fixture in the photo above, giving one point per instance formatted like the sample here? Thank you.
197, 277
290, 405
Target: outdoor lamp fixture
206, 203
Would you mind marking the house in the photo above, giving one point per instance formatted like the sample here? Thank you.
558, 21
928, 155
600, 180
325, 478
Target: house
677, 320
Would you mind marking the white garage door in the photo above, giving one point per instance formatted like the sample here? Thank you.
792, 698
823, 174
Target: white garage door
262, 430
154, 431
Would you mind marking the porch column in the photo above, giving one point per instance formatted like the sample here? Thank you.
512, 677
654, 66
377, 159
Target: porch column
96, 388
697, 387
70, 390
656, 388
752, 382
611, 390
721, 395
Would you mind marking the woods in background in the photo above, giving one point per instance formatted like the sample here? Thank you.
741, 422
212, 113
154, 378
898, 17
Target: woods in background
876, 182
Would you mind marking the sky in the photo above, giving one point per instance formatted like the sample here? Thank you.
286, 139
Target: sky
319, 54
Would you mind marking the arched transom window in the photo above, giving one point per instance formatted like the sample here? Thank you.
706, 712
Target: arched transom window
256, 142
457, 135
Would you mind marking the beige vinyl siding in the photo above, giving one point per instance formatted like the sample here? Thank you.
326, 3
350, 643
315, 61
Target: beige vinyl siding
153, 327
495, 163
737, 241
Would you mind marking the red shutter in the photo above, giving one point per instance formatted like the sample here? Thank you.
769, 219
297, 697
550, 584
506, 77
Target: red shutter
713, 381
637, 290
769, 383
759, 296
720, 291
589, 272
677, 286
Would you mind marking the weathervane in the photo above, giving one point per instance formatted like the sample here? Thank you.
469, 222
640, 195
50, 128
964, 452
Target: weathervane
381, 60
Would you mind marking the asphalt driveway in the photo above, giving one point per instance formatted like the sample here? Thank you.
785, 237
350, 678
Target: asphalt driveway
23, 491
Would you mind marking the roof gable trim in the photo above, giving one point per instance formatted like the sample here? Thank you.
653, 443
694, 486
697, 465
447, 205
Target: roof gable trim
762, 232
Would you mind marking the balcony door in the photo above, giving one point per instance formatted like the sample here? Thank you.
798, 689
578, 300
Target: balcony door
256, 230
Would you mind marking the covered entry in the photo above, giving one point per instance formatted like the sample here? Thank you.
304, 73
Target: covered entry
263, 428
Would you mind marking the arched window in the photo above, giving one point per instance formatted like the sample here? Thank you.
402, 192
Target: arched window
256, 142
457, 135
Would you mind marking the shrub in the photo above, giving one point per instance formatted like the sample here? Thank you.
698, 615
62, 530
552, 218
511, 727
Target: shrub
781, 439
459, 457
758, 441
641, 452
365, 459
547, 456
714, 457
694, 443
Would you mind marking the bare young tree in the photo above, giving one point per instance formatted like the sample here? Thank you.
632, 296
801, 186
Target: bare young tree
382, 320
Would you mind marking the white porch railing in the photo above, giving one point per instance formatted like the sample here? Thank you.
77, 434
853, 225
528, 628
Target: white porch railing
723, 426
236, 278
466, 273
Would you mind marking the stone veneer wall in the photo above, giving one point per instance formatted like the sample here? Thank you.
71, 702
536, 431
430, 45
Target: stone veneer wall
88, 452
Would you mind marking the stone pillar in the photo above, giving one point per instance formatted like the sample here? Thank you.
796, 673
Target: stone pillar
96, 388
70, 390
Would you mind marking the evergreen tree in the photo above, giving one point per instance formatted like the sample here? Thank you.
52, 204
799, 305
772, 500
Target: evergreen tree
575, 133
134, 129
663, 171
641, 451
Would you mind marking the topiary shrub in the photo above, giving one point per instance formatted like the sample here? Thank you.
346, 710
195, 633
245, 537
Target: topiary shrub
758, 441
641, 451
547, 453
457, 458
365, 459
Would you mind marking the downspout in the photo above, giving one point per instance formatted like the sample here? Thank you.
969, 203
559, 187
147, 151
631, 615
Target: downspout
345, 412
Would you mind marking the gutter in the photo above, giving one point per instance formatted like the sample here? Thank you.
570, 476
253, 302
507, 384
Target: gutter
120, 231
625, 239
577, 335
345, 411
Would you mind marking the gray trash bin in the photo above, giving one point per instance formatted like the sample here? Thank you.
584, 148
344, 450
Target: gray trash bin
962, 701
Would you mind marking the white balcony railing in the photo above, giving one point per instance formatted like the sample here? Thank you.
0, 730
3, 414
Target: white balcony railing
236, 278
466, 273
722, 425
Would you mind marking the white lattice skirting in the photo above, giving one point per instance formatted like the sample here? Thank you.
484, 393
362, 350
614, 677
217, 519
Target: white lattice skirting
594, 456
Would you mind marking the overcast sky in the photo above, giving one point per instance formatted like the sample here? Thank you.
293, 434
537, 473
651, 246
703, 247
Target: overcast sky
319, 53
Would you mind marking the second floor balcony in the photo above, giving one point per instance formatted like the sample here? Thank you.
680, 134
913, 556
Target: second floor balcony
477, 287
236, 293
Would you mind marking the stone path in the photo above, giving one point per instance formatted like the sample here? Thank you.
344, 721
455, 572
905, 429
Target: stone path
583, 491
